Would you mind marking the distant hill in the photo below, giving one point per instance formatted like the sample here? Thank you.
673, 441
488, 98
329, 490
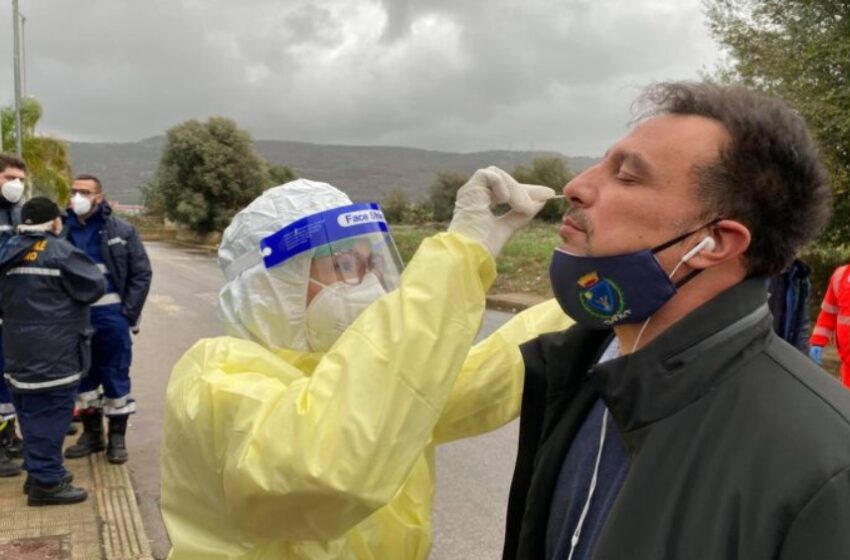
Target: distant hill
364, 172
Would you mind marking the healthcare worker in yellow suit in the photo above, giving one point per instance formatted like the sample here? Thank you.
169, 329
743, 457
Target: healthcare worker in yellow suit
310, 431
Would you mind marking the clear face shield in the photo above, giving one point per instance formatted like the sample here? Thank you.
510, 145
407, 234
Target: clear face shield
354, 262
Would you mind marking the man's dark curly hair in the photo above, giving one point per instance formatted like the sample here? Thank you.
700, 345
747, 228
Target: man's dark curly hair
768, 176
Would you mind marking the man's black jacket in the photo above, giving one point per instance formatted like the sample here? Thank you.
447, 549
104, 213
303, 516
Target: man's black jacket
739, 445
126, 260
46, 286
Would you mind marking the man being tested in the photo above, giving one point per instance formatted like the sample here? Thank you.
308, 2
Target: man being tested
671, 422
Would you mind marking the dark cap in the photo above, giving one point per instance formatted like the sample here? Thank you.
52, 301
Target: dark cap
39, 210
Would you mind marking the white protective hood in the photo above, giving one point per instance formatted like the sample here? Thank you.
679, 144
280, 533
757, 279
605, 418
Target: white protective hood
268, 306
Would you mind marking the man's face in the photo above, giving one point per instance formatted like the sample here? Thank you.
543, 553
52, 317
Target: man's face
88, 189
643, 191
12, 173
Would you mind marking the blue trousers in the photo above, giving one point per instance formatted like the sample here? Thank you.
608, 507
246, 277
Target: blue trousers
7, 409
44, 419
111, 354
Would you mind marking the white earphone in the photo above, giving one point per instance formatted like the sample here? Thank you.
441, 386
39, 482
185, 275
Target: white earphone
707, 244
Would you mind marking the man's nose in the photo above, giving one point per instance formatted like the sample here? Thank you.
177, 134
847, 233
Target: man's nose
579, 190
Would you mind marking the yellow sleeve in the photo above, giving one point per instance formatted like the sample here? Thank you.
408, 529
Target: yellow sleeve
307, 458
488, 391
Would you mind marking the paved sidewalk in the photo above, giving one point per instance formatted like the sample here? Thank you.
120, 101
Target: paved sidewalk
107, 526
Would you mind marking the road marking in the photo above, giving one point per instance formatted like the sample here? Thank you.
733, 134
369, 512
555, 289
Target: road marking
166, 304
210, 298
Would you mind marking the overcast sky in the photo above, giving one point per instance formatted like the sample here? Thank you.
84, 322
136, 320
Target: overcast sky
455, 75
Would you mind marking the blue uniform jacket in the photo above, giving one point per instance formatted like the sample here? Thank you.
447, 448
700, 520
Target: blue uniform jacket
46, 286
126, 260
9, 219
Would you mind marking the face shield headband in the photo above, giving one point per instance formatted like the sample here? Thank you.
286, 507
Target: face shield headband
601, 292
328, 232
322, 230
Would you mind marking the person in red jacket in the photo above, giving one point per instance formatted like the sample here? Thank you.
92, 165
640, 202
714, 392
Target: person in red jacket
834, 321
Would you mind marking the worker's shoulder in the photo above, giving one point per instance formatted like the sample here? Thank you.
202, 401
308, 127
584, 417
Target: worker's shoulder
801, 388
61, 252
231, 356
119, 226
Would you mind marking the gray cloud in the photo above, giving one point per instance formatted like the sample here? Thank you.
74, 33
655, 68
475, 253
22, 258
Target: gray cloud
438, 74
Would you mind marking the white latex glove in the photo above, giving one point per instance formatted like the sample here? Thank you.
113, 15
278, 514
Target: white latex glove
474, 218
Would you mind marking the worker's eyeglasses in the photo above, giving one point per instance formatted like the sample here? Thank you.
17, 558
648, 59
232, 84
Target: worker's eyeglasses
351, 265
83, 192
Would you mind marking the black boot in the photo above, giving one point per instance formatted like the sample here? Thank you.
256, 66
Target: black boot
72, 430
9, 439
116, 450
92, 439
57, 494
8, 467
68, 478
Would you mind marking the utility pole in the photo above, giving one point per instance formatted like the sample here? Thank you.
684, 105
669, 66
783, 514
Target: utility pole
24, 55
16, 22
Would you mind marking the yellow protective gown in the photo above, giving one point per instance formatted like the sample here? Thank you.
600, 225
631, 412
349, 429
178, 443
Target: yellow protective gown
277, 454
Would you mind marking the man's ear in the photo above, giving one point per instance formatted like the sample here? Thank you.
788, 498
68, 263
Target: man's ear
57, 225
731, 241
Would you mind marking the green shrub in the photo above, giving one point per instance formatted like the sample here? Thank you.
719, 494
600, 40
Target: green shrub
823, 259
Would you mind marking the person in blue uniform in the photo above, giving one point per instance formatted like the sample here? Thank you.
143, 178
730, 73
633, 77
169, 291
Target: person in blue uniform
13, 173
46, 287
114, 245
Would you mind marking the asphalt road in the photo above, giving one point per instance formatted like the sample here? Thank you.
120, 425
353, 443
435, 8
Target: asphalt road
473, 475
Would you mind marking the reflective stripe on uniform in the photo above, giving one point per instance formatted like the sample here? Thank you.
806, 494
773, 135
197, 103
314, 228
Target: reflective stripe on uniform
119, 407
115, 240
844, 319
107, 299
89, 399
102, 267
6, 408
43, 384
823, 331
35, 270
827, 308
5, 227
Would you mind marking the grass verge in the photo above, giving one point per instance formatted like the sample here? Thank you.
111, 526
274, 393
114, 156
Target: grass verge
523, 265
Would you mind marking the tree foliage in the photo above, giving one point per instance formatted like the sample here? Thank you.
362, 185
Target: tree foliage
443, 192
551, 171
152, 200
799, 50
395, 206
281, 174
47, 157
208, 172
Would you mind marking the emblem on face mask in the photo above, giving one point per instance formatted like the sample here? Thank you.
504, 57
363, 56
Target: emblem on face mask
601, 297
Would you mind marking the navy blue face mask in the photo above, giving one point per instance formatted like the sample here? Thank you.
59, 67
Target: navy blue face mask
601, 292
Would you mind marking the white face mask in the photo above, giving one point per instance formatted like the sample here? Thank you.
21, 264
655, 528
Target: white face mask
13, 190
335, 308
80, 204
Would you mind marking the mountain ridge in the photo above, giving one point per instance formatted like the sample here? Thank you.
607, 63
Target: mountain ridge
363, 172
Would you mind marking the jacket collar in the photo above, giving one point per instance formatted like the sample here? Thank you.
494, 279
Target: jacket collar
100, 214
686, 361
